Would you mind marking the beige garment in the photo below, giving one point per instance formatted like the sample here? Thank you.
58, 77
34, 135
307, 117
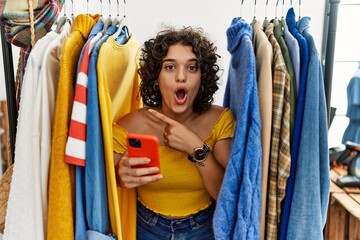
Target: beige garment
264, 58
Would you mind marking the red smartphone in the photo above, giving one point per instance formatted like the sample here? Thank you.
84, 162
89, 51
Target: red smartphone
140, 145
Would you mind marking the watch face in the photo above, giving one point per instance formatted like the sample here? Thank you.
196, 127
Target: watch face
199, 154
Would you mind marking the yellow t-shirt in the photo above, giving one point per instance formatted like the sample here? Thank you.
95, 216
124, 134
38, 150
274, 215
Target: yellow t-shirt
181, 192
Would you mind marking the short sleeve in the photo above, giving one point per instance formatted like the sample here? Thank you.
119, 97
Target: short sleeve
223, 128
119, 138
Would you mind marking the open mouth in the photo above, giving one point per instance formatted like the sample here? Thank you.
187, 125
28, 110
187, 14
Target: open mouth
180, 95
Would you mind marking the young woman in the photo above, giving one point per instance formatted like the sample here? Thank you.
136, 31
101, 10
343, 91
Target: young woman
179, 74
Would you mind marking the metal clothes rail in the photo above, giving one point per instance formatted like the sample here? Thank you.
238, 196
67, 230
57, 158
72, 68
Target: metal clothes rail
10, 90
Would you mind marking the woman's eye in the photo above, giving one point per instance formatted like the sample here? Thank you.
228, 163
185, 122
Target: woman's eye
193, 68
169, 67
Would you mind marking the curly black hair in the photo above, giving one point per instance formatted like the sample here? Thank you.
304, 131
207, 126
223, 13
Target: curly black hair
154, 51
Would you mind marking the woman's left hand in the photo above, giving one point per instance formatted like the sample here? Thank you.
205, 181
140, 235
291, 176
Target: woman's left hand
177, 135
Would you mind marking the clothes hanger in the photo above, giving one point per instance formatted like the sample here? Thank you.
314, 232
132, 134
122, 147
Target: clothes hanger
101, 18
254, 18
276, 21
283, 22
61, 21
108, 20
122, 24
72, 11
297, 23
241, 6
266, 21
116, 21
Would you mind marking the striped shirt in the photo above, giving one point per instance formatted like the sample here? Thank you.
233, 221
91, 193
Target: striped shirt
76, 143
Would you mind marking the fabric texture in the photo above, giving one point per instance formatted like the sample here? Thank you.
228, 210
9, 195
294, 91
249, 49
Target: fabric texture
76, 142
280, 160
311, 191
304, 64
238, 209
294, 52
153, 226
25, 197
118, 84
163, 197
82, 202
264, 58
97, 210
61, 175
15, 16
278, 33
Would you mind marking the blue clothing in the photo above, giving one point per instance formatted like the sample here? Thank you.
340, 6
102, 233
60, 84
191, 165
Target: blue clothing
352, 131
312, 181
93, 235
95, 176
238, 209
123, 37
294, 50
304, 62
153, 226
80, 209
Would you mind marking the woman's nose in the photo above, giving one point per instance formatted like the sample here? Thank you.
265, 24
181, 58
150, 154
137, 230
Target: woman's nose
181, 75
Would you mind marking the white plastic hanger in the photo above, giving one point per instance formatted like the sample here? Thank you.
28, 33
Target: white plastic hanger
266, 21
241, 6
108, 20
116, 21
283, 22
101, 19
61, 21
276, 21
122, 23
254, 18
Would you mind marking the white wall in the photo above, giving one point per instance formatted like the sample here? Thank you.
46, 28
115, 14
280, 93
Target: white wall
145, 17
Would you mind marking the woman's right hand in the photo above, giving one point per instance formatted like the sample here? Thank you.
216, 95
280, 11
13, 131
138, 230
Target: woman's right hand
128, 176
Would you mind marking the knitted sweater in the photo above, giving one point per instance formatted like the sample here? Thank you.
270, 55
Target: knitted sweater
237, 214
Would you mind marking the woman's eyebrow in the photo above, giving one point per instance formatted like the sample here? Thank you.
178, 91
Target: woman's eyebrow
173, 60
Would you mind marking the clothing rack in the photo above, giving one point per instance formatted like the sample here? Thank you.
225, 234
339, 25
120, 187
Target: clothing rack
330, 52
10, 83
10, 90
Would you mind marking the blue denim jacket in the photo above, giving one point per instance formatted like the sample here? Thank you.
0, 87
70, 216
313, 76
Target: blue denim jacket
312, 181
304, 62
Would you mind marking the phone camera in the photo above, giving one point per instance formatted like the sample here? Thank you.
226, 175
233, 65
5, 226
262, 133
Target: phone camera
135, 142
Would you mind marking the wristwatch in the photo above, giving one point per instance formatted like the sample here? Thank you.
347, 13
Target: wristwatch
199, 155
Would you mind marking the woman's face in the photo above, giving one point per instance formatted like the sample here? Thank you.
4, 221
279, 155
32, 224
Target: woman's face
179, 79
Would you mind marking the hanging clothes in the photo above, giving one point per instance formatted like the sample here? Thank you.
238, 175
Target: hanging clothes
294, 52
264, 58
118, 85
238, 209
38, 149
352, 131
61, 175
278, 33
97, 210
25, 197
280, 160
78, 135
311, 191
304, 62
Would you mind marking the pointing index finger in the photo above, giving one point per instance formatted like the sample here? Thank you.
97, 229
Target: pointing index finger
161, 117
